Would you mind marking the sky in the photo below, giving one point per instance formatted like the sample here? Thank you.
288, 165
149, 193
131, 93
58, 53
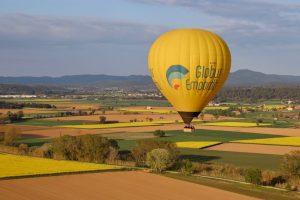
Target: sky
66, 37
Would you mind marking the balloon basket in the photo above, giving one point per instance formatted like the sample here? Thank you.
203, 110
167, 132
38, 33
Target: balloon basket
189, 129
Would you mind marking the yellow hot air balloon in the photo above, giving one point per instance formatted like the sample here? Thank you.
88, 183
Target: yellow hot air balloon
189, 66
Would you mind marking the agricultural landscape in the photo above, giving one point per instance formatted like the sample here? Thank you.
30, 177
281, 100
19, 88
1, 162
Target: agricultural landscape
149, 100
230, 138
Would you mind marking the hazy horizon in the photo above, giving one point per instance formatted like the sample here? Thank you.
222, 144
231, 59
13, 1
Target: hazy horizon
127, 75
74, 37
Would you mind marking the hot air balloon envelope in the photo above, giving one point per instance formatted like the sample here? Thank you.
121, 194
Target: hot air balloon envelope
189, 66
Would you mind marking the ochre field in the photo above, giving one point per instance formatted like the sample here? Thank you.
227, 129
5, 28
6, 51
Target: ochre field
131, 185
15, 165
286, 141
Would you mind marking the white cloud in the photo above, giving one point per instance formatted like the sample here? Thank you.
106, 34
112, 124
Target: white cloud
23, 29
247, 22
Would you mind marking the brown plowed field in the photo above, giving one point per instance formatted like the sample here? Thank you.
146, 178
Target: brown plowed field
110, 186
254, 148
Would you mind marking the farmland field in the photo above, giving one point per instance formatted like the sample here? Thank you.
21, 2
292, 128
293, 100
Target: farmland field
19, 166
236, 124
254, 148
153, 110
114, 125
196, 145
241, 159
209, 135
111, 185
286, 141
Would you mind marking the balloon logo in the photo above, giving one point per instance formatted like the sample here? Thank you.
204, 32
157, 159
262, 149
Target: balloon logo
189, 67
174, 74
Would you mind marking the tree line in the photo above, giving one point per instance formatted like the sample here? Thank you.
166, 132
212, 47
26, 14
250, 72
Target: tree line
257, 93
20, 105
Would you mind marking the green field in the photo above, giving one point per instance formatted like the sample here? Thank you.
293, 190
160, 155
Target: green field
212, 135
248, 160
33, 141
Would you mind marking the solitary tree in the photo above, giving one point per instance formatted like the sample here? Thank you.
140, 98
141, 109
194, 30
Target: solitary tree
11, 134
159, 160
159, 133
102, 119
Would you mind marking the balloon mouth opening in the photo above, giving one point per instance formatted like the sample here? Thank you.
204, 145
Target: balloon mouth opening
187, 117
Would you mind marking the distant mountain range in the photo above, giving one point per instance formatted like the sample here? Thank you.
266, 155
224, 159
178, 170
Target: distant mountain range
247, 77
238, 78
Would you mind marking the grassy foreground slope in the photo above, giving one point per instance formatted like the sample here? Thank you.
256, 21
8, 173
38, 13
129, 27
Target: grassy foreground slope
245, 189
19, 166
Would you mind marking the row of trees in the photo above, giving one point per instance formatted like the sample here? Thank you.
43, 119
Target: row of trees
20, 105
88, 148
11, 117
257, 93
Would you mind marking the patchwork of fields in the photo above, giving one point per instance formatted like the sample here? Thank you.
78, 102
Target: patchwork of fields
226, 140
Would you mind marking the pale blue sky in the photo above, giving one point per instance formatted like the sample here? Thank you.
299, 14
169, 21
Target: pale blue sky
59, 37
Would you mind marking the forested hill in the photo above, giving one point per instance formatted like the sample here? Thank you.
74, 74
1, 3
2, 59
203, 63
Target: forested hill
251, 78
238, 78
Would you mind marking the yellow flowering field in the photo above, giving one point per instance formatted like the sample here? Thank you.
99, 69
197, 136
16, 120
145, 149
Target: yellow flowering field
196, 144
216, 108
286, 141
158, 111
16, 165
236, 124
274, 106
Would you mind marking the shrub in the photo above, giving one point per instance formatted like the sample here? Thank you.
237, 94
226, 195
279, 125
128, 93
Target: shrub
219, 170
187, 167
253, 176
139, 153
23, 149
159, 133
11, 134
202, 168
272, 178
259, 121
44, 151
290, 164
159, 160
293, 184
102, 120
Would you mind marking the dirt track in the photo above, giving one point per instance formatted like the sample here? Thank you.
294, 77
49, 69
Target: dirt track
112, 186
254, 148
